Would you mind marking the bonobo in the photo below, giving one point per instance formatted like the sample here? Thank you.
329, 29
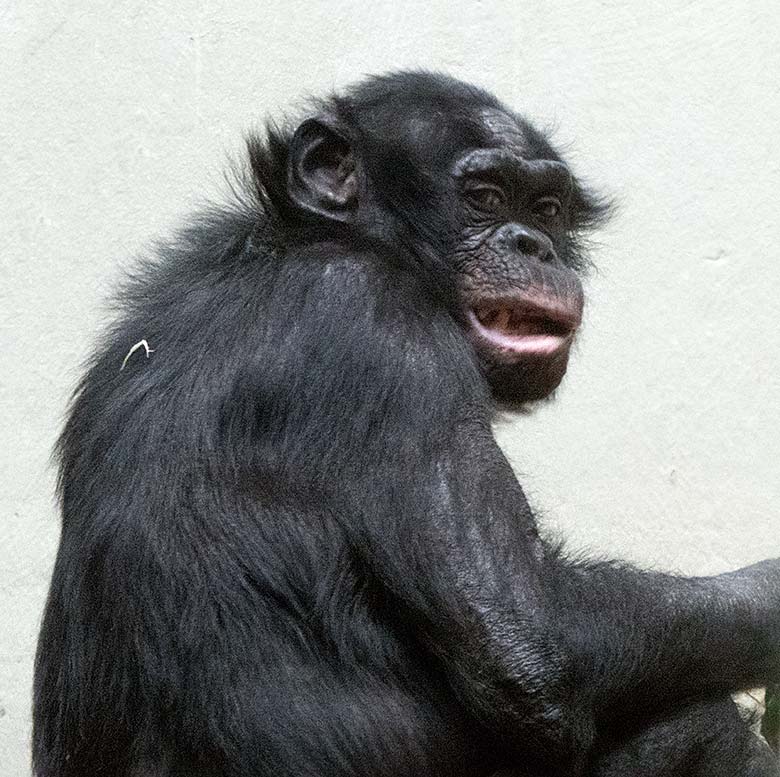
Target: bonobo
290, 543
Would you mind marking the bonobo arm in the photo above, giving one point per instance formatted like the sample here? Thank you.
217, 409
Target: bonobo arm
549, 652
589, 645
538, 650
640, 640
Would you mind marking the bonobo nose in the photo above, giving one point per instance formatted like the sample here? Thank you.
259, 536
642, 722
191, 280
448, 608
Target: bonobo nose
531, 243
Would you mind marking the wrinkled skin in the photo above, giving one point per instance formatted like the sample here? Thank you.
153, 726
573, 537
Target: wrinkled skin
291, 545
508, 253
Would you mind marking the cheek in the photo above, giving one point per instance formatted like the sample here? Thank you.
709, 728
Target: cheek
466, 256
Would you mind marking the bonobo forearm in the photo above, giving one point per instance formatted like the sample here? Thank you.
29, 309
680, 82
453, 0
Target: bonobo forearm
511, 673
639, 640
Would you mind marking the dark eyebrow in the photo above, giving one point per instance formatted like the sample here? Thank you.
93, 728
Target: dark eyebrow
504, 164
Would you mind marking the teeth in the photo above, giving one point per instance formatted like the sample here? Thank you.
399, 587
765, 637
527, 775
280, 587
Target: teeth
513, 322
485, 315
501, 320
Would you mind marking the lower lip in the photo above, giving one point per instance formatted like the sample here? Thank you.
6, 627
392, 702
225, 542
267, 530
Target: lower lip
521, 345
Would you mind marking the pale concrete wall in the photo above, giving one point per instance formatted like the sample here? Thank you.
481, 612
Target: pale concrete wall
115, 119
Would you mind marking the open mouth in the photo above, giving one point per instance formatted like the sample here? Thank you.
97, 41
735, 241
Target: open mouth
525, 326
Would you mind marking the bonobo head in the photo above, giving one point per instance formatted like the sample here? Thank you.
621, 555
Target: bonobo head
469, 192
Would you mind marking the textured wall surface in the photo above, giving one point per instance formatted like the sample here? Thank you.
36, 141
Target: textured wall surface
117, 118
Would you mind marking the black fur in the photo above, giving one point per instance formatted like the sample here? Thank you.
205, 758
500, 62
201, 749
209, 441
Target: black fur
291, 546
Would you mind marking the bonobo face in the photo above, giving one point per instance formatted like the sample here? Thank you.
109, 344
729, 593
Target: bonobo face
431, 166
523, 303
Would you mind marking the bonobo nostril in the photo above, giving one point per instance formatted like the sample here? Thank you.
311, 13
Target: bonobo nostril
529, 242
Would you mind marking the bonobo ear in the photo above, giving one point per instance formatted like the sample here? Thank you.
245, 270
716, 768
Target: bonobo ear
321, 172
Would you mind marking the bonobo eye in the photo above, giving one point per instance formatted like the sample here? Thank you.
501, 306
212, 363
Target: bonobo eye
486, 197
547, 207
